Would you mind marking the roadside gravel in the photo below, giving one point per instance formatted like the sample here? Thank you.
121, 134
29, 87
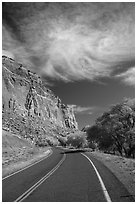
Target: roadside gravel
123, 168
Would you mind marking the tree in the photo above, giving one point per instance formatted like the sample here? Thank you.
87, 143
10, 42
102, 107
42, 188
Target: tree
77, 140
119, 124
99, 137
63, 141
115, 129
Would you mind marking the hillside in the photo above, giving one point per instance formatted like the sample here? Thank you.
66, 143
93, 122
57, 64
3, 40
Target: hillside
18, 153
30, 109
15, 148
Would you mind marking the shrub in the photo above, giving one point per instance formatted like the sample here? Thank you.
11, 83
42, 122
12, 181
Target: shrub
62, 141
77, 140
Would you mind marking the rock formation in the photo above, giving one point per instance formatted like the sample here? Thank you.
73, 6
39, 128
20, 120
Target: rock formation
29, 107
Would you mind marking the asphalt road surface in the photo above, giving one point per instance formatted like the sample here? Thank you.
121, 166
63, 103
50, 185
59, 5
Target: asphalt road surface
65, 177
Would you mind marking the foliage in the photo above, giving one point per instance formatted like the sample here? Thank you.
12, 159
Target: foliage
77, 140
52, 141
115, 129
62, 141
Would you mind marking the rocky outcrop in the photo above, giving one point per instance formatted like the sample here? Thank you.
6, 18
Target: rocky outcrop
29, 107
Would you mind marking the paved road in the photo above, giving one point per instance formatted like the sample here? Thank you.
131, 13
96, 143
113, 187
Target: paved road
75, 180
17, 184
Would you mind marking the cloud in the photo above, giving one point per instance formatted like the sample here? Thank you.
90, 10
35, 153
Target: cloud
128, 77
82, 110
70, 41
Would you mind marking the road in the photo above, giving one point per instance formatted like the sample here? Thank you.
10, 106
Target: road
68, 177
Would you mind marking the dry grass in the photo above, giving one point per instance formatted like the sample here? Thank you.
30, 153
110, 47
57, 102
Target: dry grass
18, 153
13, 167
123, 168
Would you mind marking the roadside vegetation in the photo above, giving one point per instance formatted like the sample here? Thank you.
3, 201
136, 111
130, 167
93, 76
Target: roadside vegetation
114, 131
77, 140
18, 152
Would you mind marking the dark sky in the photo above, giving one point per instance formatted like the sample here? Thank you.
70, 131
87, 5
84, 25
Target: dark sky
85, 51
97, 97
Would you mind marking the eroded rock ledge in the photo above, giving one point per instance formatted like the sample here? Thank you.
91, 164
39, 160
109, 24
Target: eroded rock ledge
30, 108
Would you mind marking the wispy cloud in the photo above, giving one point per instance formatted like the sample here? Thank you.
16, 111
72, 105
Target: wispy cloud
83, 110
70, 41
128, 77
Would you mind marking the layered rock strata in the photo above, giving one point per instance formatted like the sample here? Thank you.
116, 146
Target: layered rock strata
30, 107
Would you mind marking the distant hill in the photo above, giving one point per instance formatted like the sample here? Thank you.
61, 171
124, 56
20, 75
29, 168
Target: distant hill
30, 108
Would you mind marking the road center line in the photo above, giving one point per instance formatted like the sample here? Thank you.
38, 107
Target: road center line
107, 197
29, 165
36, 185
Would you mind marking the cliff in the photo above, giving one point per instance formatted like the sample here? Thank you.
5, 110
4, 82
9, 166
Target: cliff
30, 108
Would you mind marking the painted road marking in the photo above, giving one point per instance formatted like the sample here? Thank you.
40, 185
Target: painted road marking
36, 185
50, 153
107, 197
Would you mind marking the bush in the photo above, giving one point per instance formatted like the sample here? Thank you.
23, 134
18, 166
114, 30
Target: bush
52, 141
77, 140
62, 141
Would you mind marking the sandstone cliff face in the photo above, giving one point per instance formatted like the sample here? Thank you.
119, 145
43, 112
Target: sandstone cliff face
29, 107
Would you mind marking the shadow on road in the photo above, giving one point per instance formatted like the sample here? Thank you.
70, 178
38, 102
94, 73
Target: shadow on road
72, 151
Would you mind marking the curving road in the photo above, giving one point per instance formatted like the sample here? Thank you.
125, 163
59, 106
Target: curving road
69, 177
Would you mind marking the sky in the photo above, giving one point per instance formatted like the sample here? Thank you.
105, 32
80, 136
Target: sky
84, 51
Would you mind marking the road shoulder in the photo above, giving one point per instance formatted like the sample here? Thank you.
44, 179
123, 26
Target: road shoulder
20, 165
122, 168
